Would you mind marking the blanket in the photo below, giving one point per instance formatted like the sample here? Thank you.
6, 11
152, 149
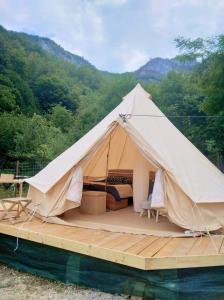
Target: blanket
118, 191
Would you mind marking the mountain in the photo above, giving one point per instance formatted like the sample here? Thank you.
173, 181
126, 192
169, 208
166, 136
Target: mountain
155, 69
47, 45
36, 74
54, 49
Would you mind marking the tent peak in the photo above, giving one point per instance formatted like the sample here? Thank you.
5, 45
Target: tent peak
138, 90
139, 87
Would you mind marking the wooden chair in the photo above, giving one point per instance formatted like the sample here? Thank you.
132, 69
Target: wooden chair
14, 205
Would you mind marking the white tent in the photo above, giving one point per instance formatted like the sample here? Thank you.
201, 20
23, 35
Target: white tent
138, 136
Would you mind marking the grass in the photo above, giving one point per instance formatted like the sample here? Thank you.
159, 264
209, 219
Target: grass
16, 285
8, 190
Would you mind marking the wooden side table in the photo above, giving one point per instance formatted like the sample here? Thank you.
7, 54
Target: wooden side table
93, 202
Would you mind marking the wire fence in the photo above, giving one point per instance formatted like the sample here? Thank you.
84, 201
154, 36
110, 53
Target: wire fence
20, 170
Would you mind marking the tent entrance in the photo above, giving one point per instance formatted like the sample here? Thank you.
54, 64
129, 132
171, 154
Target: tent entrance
120, 153
105, 171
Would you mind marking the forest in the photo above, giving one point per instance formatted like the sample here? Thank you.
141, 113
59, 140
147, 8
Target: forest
46, 103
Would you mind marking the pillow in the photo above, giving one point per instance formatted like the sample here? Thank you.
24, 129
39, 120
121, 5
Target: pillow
119, 180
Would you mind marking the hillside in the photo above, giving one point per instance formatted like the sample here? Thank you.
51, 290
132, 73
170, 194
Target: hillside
57, 51
37, 73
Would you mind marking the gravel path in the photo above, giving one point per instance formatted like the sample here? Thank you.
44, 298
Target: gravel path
15, 285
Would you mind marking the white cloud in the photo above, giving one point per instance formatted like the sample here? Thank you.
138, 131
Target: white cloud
130, 58
109, 2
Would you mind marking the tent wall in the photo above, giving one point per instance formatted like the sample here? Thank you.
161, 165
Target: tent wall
126, 149
194, 186
187, 214
54, 202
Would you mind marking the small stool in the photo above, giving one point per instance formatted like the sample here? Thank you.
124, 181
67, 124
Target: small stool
146, 207
9, 203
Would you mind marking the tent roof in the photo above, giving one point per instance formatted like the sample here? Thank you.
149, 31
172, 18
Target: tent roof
183, 162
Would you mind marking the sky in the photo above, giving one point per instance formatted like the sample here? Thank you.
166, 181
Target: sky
115, 35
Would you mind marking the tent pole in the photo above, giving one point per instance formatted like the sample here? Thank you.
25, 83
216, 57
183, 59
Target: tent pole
108, 153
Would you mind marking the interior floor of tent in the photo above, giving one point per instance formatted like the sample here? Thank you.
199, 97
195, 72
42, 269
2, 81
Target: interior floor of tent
134, 250
125, 220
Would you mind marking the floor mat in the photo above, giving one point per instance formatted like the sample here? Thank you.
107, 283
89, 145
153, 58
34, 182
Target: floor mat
123, 220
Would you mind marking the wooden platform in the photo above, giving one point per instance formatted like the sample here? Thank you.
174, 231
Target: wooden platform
139, 251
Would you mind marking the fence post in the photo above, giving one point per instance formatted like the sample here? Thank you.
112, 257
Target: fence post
17, 168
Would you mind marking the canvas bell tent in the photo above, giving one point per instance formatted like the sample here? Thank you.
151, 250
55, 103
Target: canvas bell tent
136, 135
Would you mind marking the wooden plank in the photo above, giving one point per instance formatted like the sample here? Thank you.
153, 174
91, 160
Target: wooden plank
169, 248
184, 247
153, 248
199, 246
160, 263
93, 236
141, 245
221, 250
78, 235
207, 245
129, 241
214, 245
115, 242
110, 237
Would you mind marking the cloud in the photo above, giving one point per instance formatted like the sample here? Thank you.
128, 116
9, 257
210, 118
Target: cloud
130, 58
109, 2
115, 35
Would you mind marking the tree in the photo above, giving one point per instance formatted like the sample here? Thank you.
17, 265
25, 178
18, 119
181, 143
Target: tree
50, 91
39, 140
62, 118
7, 98
10, 124
209, 76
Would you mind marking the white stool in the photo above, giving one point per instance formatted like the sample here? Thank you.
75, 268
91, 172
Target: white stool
146, 207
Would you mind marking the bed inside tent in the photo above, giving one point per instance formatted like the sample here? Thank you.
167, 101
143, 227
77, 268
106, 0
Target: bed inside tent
118, 172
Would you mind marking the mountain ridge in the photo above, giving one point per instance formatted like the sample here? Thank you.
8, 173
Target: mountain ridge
154, 70
55, 49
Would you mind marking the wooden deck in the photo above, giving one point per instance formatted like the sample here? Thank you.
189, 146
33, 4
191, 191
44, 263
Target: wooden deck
139, 251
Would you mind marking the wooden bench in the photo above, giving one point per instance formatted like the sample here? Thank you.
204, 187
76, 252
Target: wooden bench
12, 208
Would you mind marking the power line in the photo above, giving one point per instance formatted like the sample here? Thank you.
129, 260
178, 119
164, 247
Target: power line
128, 116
